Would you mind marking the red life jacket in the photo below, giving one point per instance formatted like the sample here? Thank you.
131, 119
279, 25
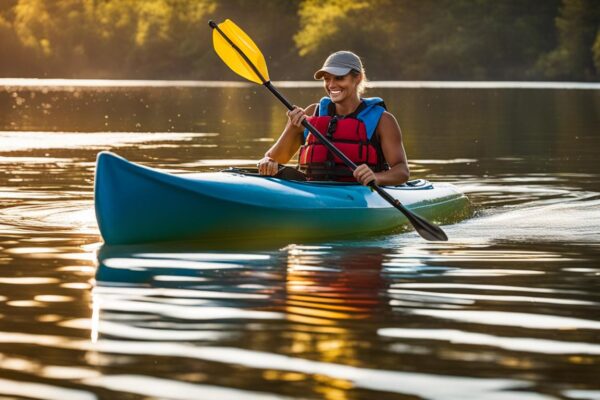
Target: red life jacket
349, 134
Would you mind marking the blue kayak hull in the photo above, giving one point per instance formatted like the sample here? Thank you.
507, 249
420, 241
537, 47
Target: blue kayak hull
137, 204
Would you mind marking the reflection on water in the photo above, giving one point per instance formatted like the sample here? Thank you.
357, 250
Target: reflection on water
316, 310
19, 141
506, 310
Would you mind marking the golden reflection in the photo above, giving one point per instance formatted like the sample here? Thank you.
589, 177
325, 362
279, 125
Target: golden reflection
323, 292
336, 383
30, 280
48, 318
27, 140
329, 301
308, 309
581, 360
319, 303
274, 375
330, 393
517, 363
317, 329
333, 389
224, 163
192, 377
468, 356
306, 320
25, 303
76, 285
87, 256
26, 251
49, 298
78, 269
331, 347
17, 364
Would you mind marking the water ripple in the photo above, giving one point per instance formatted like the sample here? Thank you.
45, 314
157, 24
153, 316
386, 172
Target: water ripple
479, 339
523, 320
175, 389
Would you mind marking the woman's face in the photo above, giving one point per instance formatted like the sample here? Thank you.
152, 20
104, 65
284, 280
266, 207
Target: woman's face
339, 88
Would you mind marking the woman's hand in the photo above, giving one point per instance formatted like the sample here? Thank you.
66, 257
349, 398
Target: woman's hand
364, 175
267, 166
296, 116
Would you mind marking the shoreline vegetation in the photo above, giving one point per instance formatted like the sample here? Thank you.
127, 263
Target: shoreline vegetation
399, 40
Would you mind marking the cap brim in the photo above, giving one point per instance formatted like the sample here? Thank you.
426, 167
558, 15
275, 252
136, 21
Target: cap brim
337, 71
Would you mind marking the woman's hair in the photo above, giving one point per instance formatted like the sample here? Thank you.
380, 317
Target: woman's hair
362, 86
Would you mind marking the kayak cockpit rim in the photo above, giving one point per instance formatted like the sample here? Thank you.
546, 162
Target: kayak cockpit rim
413, 184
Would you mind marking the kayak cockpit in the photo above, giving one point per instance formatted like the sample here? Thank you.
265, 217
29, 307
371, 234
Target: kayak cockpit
287, 173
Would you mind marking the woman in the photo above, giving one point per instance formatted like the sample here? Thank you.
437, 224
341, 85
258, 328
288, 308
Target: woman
361, 128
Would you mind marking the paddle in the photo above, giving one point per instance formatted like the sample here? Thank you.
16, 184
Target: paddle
240, 53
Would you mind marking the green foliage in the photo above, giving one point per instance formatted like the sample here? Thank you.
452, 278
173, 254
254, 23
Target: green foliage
398, 39
152, 37
596, 51
577, 27
324, 19
115, 38
445, 39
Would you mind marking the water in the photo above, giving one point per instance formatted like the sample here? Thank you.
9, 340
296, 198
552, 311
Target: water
507, 309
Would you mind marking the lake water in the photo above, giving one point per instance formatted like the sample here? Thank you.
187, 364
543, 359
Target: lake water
509, 308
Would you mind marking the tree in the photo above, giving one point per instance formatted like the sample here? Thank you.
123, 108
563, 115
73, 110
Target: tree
574, 57
596, 52
399, 39
443, 39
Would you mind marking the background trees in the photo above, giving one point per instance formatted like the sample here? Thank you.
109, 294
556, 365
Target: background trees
399, 39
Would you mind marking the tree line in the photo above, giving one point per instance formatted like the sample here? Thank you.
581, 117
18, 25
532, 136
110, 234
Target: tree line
397, 39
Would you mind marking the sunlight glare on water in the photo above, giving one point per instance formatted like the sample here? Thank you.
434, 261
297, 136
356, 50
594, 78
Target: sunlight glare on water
19, 141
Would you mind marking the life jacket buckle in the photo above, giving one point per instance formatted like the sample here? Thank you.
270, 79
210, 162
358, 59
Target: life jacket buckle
332, 126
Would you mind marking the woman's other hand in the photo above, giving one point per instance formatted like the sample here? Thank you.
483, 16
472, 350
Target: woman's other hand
267, 166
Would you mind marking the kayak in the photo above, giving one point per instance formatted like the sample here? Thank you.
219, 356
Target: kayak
138, 204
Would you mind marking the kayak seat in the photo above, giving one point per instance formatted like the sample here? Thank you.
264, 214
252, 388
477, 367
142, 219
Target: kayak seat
290, 174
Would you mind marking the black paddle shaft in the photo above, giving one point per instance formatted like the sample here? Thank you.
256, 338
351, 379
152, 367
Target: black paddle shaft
425, 228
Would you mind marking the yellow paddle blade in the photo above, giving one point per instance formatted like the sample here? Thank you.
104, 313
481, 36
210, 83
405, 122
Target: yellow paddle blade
232, 57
